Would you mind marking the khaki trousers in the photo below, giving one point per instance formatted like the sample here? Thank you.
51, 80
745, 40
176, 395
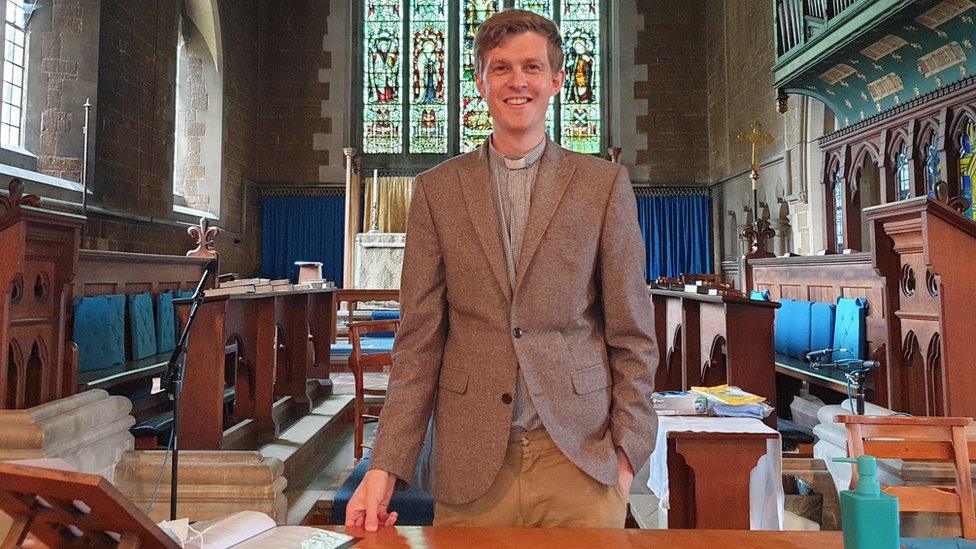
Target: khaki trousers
538, 486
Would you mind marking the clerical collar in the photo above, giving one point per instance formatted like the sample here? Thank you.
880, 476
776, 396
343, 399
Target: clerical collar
517, 162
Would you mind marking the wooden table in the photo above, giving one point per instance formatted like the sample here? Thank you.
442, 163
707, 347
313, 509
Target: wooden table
472, 537
709, 475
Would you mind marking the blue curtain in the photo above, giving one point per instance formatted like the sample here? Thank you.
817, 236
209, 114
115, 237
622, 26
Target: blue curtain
677, 234
302, 228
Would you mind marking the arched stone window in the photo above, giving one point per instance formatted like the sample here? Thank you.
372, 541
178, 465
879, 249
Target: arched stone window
199, 111
902, 170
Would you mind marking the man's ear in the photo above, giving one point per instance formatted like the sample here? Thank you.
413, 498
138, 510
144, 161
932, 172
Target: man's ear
480, 84
557, 81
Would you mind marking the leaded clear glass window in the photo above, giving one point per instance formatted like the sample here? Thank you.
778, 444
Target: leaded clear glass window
14, 69
418, 75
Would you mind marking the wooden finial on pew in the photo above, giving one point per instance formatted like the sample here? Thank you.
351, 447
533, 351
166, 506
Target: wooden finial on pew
205, 235
17, 198
958, 203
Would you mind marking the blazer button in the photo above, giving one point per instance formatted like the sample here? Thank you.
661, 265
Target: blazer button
517, 332
506, 398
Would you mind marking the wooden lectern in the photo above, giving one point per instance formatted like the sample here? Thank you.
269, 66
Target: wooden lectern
924, 249
66, 509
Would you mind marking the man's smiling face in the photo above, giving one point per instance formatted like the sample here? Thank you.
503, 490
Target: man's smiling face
517, 82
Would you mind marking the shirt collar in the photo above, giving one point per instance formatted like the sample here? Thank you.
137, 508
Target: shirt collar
516, 162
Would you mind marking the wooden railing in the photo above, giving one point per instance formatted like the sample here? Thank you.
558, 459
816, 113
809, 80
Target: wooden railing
799, 20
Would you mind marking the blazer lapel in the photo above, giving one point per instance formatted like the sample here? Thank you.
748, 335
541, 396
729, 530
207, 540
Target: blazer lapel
550, 184
479, 198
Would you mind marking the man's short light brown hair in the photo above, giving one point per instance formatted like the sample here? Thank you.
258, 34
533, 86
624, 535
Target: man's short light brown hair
499, 27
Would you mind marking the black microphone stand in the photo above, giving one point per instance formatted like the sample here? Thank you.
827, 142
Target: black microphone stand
172, 380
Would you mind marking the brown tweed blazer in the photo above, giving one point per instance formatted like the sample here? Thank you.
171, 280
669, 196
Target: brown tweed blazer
578, 322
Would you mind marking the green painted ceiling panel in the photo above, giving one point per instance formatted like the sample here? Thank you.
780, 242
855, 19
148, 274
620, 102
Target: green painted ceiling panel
929, 45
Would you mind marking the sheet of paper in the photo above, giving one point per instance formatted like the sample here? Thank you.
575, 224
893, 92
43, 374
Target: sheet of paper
299, 536
228, 531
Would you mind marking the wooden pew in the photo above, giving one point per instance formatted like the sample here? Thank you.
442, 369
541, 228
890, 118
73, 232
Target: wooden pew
707, 340
104, 273
824, 279
280, 342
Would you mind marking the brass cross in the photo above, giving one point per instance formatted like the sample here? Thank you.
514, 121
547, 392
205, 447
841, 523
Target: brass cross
757, 140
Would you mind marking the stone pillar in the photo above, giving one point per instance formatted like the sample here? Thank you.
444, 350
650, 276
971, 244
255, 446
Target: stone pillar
781, 240
212, 484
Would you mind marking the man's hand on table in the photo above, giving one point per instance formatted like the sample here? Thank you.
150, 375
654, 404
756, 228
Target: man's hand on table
368, 506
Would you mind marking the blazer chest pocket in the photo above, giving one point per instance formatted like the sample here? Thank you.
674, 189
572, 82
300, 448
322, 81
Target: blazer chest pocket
591, 379
453, 380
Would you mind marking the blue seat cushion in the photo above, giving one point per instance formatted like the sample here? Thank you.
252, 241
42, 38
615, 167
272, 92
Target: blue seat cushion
780, 327
414, 506
371, 346
384, 315
821, 326
99, 331
165, 328
850, 328
759, 296
142, 325
798, 331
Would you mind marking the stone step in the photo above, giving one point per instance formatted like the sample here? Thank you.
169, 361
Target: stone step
299, 445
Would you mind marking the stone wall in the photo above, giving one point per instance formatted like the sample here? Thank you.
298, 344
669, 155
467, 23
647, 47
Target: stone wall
63, 43
739, 92
133, 160
292, 122
671, 46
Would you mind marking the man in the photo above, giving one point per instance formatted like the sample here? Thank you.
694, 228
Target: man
526, 325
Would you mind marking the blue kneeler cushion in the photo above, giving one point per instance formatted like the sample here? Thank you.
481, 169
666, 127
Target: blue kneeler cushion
822, 326
759, 296
142, 325
384, 315
850, 328
99, 331
165, 326
414, 506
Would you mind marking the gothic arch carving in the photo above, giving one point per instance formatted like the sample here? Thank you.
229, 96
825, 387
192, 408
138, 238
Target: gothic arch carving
34, 373
714, 370
15, 367
963, 115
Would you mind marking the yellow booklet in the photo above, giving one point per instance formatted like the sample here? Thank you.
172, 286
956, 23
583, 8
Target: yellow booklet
728, 394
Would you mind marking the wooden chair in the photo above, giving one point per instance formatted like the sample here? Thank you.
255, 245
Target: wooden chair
919, 439
358, 363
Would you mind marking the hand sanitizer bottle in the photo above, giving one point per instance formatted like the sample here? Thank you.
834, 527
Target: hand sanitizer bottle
868, 517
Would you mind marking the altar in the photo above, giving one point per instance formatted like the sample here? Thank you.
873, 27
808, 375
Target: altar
379, 260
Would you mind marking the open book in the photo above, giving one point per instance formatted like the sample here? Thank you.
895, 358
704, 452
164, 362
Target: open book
252, 529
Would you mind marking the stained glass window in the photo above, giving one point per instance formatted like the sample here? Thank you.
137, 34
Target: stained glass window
475, 120
967, 166
580, 109
933, 172
382, 67
418, 75
839, 213
902, 180
428, 76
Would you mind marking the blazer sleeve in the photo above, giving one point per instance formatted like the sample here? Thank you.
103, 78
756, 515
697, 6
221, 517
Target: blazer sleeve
628, 324
418, 347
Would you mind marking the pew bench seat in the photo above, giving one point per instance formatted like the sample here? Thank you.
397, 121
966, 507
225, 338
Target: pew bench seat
830, 378
154, 431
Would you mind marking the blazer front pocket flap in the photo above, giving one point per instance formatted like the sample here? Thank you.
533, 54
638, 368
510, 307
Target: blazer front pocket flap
591, 379
453, 379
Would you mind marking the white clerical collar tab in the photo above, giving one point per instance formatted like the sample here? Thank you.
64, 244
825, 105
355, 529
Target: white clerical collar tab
514, 163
